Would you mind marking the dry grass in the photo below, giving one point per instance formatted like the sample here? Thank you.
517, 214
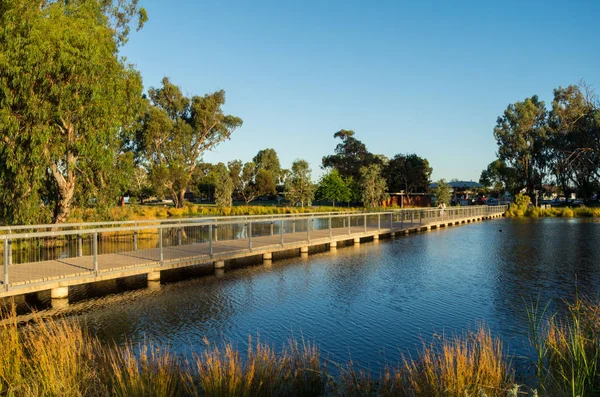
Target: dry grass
297, 371
458, 366
54, 357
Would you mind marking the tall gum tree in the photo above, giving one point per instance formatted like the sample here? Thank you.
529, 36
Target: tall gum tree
521, 136
66, 96
176, 131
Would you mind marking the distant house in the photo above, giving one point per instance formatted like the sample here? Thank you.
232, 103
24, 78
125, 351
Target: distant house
402, 200
462, 191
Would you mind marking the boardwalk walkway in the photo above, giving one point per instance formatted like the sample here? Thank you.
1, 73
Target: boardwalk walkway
54, 260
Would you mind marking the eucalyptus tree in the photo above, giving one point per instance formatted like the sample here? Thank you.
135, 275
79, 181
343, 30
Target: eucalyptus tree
374, 186
268, 172
235, 168
223, 185
408, 172
442, 192
176, 131
521, 136
500, 177
574, 139
332, 187
66, 100
350, 155
299, 188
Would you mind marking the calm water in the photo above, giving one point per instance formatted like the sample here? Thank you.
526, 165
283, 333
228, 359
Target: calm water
373, 302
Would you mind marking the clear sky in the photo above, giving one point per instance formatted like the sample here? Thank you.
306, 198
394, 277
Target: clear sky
425, 77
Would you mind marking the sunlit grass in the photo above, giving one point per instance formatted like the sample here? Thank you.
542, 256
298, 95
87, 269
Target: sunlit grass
56, 357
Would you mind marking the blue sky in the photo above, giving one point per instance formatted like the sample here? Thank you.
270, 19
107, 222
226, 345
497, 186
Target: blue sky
425, 77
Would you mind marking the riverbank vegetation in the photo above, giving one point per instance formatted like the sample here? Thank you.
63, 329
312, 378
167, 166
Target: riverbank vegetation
549, 152
521, 208
58, 357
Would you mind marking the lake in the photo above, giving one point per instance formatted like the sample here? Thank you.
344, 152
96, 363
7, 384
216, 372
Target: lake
372, 302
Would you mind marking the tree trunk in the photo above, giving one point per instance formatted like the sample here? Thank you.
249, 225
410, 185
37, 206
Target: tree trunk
180, 199
66, 190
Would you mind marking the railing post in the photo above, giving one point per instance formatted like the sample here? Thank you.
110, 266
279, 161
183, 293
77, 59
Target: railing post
135, 240
412, 217
250, 236
330, 230
179, 234
210, 240
391, 220
421, 217
378, 221
281, 231
349, 224
95, 251
160, 244
216, 233
7, 247
365, 223
271, 228
294, 226
79, 245
308, 229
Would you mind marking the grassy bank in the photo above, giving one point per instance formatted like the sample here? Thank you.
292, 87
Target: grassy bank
560, 212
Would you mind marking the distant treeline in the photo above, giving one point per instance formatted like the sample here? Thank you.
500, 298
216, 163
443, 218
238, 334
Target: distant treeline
556, 150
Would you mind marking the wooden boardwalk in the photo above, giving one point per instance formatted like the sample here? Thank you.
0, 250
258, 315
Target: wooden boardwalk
64, 272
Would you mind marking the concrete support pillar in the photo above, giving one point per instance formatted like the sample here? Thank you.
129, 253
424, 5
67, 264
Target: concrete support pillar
59, 293
428, 228
219, 264
376, 237
333, 246
219, 272
153, 276
406, 232
59, 303
268, 256
304, 252
393, 234
356, 241
153, 285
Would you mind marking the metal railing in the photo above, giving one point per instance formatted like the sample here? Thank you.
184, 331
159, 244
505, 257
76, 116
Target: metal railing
75, 250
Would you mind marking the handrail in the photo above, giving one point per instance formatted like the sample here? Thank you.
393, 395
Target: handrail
179, 223
201, 218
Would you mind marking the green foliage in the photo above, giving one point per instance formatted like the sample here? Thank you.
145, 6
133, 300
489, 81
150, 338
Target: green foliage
573, 140
521, 136
559, 147
176, 131
223, 185
442, 192
374, 187
499, 177
350, 155
409, 173
66, 100
298, 185
333, 188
